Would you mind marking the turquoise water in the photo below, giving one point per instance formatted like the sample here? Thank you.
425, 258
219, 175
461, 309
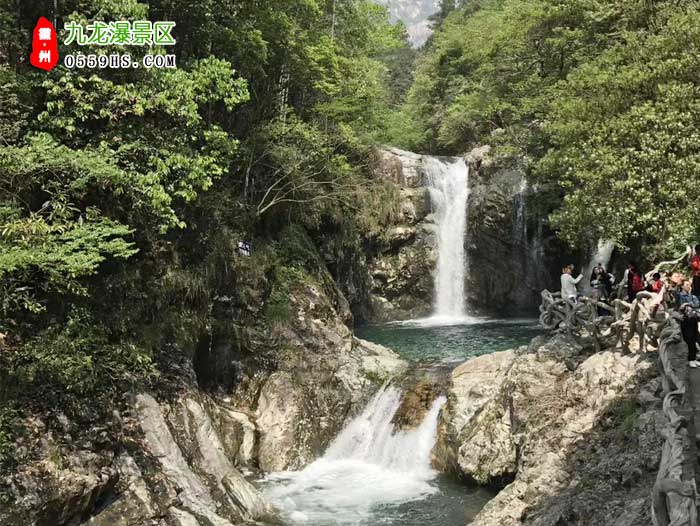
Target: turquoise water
420, 341
453, 505
350, 490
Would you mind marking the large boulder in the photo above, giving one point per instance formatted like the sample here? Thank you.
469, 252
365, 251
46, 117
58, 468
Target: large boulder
323, 376
524, 421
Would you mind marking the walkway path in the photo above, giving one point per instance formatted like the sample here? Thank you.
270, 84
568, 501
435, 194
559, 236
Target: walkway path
691, 468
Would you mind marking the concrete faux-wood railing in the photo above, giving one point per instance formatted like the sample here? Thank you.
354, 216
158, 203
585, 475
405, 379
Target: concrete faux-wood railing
674, 495
621, 322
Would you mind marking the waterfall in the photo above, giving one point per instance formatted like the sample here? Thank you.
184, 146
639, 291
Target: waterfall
602, 255
520, 222
536, 255
368, 465
448, 184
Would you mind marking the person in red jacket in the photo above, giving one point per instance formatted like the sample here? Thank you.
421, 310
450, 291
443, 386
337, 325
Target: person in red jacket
656, 284
695, 270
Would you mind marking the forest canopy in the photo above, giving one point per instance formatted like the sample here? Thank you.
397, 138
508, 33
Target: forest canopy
596, 99
137, 184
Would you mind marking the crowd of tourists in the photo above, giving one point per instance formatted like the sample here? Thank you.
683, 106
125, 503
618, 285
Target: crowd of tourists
674, 290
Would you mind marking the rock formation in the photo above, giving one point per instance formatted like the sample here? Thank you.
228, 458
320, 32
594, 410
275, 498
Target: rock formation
571, 436
179, 460
402, 272
506, 243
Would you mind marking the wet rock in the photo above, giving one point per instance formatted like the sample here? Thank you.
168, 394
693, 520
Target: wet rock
417, 400
562, 441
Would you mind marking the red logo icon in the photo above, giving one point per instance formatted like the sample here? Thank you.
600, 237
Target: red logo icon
44, 46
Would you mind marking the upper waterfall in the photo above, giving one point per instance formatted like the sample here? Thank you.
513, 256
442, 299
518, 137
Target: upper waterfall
448, 183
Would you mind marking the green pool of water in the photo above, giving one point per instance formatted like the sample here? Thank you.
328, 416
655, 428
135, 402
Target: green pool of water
453, 505
421, 341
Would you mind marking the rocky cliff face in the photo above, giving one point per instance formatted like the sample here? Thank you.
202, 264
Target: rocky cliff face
512, 255
402, 271
506, 242
572, 437
179, 460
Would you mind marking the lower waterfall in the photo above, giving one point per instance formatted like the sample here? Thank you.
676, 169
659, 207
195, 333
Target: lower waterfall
367, 466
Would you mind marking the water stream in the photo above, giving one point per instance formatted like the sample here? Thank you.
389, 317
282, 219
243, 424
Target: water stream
448, 185
372, 474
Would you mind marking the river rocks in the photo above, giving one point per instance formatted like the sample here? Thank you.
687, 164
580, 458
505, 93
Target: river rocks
549, 430
323, 376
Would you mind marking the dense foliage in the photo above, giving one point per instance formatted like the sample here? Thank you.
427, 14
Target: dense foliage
124, 193
597, 98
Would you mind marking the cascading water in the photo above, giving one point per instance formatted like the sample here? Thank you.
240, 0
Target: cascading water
520, 223
448, 184
602, 255
368, 466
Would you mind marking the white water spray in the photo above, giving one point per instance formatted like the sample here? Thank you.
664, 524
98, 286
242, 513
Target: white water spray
368, 465
602, 255
520, 222
448, 184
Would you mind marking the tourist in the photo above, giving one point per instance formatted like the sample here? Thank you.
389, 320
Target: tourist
568, 283
695, 270
674, 284
656, 284
635, 281
660, 288
689, 306
601, 282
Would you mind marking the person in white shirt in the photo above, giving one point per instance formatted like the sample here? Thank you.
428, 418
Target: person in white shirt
568, 283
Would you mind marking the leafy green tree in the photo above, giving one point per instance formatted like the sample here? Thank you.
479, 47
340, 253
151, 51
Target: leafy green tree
595, 99
625, 139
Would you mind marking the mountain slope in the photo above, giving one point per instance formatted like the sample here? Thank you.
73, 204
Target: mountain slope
414, 13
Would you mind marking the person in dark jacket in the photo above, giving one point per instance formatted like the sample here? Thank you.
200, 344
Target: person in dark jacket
689, 306
601, 284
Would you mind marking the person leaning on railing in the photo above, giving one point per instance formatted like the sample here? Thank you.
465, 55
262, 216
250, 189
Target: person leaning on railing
689, 306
